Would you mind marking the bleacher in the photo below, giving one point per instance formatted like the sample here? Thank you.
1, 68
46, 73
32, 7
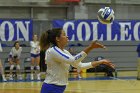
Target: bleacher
122, 53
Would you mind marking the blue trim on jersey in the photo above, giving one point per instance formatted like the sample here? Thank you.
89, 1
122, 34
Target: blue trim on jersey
107, 13
77, 57
61, 53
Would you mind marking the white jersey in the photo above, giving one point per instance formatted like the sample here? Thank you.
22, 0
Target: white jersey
15, 52
35, 48
58, 63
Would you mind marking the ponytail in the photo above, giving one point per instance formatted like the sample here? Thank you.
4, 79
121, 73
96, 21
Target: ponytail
49, 37
44, 41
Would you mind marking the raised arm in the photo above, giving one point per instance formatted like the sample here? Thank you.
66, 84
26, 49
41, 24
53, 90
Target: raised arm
66, 57
94, 64
93, 45
61, 56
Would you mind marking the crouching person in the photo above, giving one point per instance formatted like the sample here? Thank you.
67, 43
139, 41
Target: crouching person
14, 60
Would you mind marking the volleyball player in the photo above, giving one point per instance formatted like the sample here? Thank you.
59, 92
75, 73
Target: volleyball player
35, 57
14, 59
58, 60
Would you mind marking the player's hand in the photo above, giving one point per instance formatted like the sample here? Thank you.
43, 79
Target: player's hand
93, 45
107, 62
103, 61
96, 44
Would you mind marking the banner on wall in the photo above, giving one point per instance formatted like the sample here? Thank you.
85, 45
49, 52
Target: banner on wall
88, 30
11, 30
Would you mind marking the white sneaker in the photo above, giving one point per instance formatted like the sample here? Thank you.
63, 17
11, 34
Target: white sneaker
4, 79
79, 76
11, 78
32, 77
38, 77
19, 77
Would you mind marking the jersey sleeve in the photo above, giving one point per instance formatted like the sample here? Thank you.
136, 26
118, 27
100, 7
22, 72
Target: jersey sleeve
61, 56
83, 65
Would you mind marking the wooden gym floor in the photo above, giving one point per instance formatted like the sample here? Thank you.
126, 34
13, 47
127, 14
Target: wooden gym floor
125, 83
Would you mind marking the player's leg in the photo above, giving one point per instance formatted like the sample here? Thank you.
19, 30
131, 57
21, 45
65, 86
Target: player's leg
37, 60
138, 69
79, 72
2, 72
11, 68
18, 69
32, 66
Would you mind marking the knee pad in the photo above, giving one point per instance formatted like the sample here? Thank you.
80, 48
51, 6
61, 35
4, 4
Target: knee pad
32, 67
38, 67
18, 67
11, 67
